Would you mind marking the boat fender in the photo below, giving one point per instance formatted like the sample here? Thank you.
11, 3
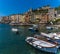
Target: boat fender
57, 46
39, 47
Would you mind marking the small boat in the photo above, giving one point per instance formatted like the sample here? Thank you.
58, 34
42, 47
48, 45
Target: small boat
54, 36
31, 28
42, 45
51, 35
49, 28
14, 29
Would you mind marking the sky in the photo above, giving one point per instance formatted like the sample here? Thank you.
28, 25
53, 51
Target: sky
8, 7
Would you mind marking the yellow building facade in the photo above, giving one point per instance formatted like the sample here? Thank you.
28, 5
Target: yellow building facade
17, 18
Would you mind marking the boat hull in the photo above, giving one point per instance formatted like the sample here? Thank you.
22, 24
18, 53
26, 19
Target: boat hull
53, 50
46, 48
57, 41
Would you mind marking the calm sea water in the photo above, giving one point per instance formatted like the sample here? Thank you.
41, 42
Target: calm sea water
10, 43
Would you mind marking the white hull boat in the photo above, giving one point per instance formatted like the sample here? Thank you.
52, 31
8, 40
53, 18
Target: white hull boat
49, 28
14, 29
42, 45
54, 36
30, 28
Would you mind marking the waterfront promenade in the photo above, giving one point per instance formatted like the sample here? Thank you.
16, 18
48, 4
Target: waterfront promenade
21, 24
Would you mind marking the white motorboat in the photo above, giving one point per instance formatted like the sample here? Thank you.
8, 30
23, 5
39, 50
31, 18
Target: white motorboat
51, 35
55, 37
42, 45
49, 28
31, 28
14, 29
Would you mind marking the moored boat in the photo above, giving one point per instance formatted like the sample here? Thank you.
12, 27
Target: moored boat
49, 28
33, 29
54, 36
14, 29
41, 44
30, 28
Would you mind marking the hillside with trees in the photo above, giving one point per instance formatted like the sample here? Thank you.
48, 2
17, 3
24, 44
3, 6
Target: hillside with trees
57, 8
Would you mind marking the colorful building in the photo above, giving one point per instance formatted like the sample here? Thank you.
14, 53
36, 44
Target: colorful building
42, 15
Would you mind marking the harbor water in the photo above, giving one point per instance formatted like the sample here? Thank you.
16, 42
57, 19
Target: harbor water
12, 43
